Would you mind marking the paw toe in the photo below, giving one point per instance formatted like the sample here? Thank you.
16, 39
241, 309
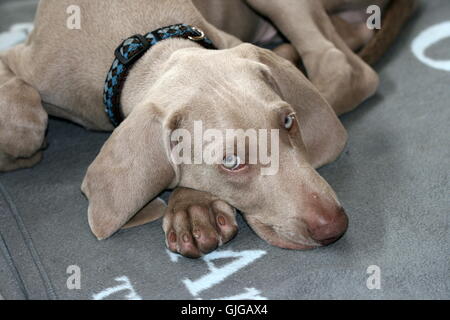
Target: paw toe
207, 241
187, 246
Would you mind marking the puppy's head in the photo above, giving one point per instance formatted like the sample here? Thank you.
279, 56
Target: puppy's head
243, 124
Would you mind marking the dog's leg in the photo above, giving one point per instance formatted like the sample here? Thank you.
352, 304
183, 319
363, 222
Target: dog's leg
339, 74
23, 122
197, 223
355, 35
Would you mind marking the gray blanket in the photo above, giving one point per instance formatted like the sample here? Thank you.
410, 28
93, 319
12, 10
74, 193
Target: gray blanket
393, 180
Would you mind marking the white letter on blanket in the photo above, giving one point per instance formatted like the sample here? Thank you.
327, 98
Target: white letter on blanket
125, 286
217, 275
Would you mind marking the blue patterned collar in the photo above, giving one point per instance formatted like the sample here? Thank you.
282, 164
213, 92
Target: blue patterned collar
130, 51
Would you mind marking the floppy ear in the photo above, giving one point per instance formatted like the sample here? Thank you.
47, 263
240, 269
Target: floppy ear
133, 167
322, 131
151, 212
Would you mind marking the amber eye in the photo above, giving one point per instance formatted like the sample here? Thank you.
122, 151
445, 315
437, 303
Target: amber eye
289, 121
232, 162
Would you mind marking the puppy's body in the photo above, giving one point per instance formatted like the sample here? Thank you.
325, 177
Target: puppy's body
55, 56
87, 53
61, 72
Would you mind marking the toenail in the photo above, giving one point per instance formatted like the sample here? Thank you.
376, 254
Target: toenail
172, 237
197, 234
221, 220
186, 238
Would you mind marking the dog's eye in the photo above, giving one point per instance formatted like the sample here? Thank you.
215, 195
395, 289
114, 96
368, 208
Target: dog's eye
289, 121
232, 162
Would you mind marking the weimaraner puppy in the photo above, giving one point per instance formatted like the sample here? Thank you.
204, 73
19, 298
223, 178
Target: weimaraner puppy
61, 71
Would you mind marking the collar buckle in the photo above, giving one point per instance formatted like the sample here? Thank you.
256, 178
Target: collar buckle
133, 56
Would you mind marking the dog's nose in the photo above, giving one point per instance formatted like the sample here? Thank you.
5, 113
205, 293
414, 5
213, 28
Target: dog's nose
327, 228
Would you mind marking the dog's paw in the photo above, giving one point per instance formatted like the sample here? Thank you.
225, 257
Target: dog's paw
197, 223
8, 163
